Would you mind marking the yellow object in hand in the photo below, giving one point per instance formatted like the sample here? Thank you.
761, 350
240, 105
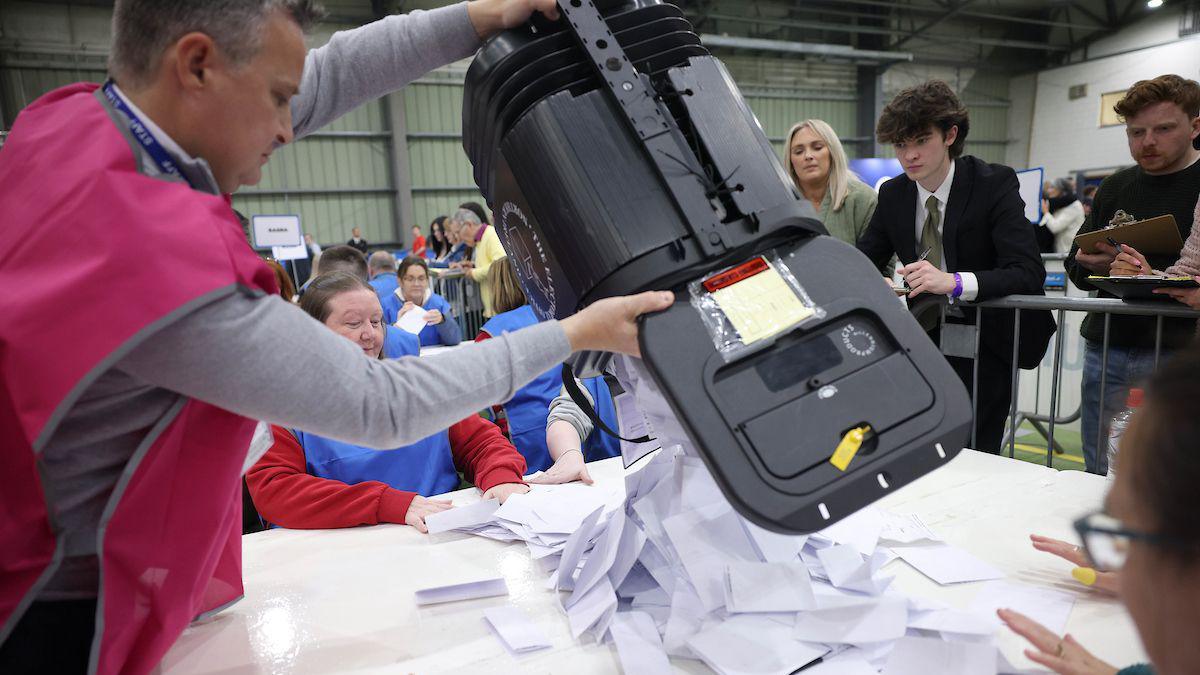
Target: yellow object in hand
1084, 575
848, 448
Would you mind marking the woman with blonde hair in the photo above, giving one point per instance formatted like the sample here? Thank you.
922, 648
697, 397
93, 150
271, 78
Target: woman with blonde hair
821, 173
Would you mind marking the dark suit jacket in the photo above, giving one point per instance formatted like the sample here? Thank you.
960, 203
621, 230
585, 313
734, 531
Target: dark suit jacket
985, 232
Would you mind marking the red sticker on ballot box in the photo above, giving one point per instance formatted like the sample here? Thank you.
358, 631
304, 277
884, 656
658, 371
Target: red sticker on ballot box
732, 276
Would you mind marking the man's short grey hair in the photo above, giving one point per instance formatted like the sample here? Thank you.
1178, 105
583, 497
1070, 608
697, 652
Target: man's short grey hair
467, 217
381, 261
143, 29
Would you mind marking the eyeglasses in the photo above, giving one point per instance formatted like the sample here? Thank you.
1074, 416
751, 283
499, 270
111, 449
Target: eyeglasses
1106, 540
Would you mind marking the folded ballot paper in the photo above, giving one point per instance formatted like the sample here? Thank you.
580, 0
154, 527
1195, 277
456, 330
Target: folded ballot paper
666, 568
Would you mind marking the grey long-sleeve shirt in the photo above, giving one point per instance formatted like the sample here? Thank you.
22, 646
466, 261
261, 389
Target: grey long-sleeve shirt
261, 357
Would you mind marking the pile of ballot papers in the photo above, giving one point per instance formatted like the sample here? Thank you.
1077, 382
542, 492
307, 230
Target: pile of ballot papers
666, 568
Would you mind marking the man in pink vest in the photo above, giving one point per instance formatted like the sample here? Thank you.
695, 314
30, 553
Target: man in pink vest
142, 339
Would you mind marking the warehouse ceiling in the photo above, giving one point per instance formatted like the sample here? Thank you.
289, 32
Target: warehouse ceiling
1010, 35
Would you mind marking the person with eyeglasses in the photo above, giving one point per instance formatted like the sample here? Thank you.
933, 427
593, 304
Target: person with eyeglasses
1147, 536
415, 294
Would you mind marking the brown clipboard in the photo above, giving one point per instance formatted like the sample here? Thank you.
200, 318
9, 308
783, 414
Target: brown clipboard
1152, 236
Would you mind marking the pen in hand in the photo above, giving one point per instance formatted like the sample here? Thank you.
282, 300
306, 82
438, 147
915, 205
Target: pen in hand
920, 258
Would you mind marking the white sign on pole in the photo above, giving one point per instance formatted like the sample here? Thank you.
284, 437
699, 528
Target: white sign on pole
281, 230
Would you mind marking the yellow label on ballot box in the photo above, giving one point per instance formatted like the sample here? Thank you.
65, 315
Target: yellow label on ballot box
760, 305
848, 448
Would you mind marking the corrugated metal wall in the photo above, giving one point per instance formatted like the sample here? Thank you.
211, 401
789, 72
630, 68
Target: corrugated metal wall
342, 177
441, 174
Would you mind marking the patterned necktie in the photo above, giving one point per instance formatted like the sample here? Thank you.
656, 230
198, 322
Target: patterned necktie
931, 238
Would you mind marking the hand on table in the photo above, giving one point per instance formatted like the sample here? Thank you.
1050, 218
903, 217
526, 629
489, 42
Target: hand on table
1188, 296
433, 317
567, 468
1128, 263
1105, 581
1062, 655
505, 490
923, 277
1097, 263
422, 507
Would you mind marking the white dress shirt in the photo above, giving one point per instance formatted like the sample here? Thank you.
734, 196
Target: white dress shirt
942, 193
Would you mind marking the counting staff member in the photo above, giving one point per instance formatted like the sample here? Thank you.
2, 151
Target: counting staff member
122, 456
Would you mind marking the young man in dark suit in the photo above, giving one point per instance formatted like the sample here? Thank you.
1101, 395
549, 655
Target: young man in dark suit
958, 225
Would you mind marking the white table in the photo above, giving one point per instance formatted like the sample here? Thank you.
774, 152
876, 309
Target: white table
323, 601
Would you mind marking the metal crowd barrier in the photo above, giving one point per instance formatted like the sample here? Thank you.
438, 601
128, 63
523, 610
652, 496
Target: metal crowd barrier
1060, 306
465, 301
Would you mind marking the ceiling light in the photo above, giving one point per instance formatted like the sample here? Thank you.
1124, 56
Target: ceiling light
1154, 4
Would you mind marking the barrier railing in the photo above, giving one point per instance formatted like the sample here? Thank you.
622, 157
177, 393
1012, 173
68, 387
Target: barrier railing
465, 301
1060, 306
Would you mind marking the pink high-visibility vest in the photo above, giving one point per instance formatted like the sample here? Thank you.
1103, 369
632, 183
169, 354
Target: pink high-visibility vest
95, 258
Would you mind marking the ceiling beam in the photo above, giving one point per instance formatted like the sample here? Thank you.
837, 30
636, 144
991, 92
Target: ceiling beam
783, 46
874, 30
1082, 9
932, 24
914, 9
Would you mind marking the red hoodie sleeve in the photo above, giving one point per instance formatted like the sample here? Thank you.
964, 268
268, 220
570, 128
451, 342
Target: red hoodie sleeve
484, 455
285, 494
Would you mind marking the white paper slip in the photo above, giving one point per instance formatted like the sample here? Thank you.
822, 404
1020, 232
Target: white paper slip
573, 550
638, 645
1046, 606
951, 621
774, 547
947, 564
600, 561
885, 619
471, 590
515, 628
931, 656
860, 530
459, 517
707, 540
751, 645
412, 321
842, 667
906, 529
753, 587
594, 611
846, 569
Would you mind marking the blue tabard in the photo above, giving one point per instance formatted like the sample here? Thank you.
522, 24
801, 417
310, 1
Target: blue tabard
385, 284
397, 343
425, 467
530, 406
429, 335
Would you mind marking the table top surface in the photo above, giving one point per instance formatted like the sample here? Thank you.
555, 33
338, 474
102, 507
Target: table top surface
321, 601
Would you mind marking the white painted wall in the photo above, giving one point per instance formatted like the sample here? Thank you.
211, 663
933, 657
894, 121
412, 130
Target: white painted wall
1065, 136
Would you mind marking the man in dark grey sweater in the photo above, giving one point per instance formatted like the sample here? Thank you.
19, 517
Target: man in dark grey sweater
218, 100
1162, 118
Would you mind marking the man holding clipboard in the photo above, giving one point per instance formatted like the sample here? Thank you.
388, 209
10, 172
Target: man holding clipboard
1162, 119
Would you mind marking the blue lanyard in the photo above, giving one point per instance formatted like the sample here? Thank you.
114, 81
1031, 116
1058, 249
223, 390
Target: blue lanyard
155, 149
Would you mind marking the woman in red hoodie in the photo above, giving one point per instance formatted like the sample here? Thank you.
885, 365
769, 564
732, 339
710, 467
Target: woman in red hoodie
307, 481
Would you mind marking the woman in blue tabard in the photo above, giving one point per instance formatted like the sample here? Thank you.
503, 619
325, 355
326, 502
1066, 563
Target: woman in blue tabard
307, 481
414, 294
527, 411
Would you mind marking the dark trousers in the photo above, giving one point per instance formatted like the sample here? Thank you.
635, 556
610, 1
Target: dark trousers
52, 637
993, 398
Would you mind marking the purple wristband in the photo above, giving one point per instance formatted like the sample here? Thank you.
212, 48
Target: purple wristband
958, 289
